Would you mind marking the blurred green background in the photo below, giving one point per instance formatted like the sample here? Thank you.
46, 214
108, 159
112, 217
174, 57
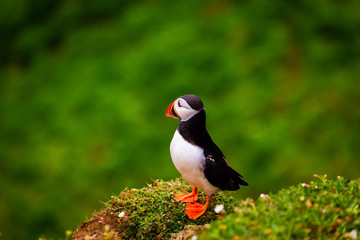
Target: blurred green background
85, 85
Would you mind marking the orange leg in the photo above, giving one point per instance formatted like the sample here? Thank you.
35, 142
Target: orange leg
195, 210
187, 197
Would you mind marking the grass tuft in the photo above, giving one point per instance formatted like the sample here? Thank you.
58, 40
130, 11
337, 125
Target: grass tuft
151, 212
322, 209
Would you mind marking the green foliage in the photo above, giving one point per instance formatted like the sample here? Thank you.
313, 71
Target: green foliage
324, 209
68, 236
150, 212
84, 86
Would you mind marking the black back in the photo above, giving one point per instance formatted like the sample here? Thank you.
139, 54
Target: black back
217, 170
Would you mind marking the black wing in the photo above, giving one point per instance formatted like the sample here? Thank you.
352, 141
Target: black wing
219, 173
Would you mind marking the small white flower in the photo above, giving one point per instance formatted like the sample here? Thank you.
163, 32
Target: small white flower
264, 196
219, 209
353, 234
122, 214
194, 237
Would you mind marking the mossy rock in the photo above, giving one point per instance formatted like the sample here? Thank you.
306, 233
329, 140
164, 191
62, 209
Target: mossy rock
150, 213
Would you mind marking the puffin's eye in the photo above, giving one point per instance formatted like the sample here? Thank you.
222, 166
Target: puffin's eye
179, 103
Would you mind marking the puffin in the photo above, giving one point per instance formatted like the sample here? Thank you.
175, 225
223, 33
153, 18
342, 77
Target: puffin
195, 155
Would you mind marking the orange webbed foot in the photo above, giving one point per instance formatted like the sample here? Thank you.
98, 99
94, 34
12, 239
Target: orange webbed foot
195, 210
187, 197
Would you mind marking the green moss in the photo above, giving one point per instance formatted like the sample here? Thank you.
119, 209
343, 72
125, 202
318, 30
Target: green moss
151, 212
323, 209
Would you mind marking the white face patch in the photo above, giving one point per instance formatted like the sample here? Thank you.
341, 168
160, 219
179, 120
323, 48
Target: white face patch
183, 109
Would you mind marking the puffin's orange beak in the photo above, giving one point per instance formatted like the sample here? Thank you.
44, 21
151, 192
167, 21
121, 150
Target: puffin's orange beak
171, 112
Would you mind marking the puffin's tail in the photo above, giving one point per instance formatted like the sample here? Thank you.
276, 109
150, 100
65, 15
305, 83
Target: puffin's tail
235, 180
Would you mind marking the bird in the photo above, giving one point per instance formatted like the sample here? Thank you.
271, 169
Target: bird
195, 155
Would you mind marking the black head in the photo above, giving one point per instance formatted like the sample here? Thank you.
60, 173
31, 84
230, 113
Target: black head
185, 107
193, 101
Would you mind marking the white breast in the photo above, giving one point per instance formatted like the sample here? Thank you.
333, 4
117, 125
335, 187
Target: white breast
189, 160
